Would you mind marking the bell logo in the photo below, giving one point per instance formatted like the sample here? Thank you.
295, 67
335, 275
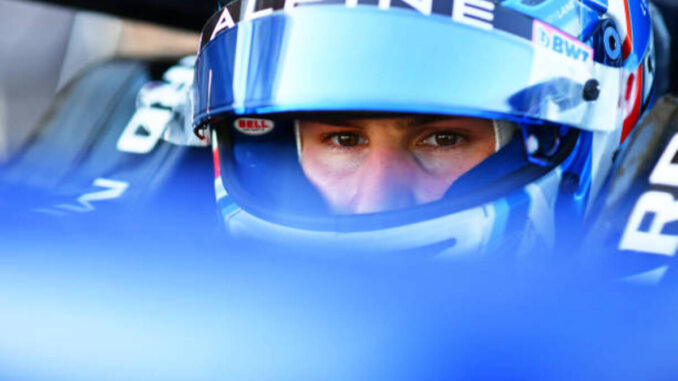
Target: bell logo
254, 127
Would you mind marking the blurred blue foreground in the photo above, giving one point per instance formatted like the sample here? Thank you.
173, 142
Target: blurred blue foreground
147, 301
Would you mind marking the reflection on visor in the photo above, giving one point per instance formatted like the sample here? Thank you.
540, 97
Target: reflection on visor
399, 62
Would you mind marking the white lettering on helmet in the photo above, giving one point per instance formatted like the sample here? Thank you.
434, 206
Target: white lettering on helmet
423, 6
225, 22
478, 13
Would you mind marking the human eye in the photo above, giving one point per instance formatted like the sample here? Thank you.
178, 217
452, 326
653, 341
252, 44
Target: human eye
345, 139
442, 139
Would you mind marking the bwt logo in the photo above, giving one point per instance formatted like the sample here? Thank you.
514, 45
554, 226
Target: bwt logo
556, 41
544, 38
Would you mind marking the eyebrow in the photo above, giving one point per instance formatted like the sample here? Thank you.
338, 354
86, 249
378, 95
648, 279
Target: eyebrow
426, 119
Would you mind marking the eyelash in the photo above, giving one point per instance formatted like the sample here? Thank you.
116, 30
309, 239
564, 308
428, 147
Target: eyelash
331, 137
332, 140
458, 139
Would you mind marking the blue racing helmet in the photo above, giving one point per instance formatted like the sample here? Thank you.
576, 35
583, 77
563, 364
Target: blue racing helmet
557, 85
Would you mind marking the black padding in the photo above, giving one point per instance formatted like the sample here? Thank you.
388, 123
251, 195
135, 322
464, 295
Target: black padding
263, 173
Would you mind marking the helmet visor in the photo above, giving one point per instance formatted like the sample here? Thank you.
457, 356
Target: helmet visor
364, 59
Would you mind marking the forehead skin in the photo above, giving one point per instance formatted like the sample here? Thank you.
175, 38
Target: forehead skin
398, 122
398, 162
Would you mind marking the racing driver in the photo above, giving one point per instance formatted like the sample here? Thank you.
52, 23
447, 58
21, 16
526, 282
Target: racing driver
444, 126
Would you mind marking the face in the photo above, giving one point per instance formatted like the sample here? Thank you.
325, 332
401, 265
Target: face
373, 165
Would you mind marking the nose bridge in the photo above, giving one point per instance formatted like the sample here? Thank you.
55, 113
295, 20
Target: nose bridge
386, 180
